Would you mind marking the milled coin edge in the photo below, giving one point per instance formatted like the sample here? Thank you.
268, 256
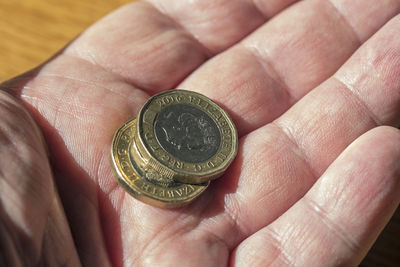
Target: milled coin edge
125, 182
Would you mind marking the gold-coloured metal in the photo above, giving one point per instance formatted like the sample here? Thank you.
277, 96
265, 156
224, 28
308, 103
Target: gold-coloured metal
143, 182
190, 123
167, 156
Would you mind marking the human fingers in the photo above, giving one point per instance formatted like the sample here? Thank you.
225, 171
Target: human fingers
278, 163
337, 221
155, 45
220, 24
261, 77
33, 227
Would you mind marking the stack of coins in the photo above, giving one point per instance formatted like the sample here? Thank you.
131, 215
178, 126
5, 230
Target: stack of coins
178, 143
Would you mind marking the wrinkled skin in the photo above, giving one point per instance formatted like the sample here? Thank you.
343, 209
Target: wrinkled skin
313, 88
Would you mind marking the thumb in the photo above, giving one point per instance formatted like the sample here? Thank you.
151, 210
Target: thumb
31, 217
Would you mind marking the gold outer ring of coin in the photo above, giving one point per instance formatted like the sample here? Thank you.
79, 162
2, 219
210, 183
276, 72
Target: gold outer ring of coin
157, 158
133, 179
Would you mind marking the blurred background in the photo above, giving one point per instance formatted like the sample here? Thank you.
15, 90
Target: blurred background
31, 31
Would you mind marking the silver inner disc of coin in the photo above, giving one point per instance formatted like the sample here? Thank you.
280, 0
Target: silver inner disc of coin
187, 133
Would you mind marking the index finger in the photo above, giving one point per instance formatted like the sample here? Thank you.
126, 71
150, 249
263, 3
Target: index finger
153, 45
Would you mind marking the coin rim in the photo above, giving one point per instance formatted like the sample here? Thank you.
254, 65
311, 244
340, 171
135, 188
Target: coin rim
180, 174
127, 181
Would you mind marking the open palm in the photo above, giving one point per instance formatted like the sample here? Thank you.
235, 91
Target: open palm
306, 83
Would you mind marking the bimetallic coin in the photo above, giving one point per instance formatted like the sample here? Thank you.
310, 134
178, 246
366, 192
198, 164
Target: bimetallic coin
186, 136
146, 184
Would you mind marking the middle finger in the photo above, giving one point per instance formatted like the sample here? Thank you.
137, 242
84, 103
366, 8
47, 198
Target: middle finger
287, 57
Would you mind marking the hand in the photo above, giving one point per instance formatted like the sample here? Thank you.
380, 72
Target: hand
310, 88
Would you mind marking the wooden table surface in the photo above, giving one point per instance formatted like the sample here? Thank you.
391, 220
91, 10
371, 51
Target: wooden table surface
32, 30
